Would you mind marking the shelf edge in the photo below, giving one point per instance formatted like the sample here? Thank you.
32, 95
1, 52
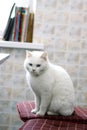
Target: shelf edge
22, 45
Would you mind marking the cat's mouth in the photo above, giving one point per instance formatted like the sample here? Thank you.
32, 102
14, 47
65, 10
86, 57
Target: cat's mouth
34, 73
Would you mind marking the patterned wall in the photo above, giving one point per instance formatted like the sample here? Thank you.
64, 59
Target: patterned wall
62, 26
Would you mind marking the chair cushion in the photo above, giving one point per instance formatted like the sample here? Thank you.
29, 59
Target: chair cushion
77, 121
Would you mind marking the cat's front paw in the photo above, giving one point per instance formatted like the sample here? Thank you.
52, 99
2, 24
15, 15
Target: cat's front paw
34, 111
39, 113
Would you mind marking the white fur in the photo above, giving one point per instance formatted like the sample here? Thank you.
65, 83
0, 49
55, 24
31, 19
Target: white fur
51, 85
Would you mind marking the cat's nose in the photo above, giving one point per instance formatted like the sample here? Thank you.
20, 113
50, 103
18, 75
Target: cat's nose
33, 70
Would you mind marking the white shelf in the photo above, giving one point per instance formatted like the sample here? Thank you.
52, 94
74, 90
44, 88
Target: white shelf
21, 45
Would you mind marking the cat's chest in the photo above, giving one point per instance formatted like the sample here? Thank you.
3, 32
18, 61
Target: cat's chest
36, 83
40, 84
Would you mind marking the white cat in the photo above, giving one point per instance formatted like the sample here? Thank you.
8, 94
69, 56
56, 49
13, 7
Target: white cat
51, 85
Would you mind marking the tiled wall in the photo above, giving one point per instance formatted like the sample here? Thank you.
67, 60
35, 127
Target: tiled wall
62, 26
12, 88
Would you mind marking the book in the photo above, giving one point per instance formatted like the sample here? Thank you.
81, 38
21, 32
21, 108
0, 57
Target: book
31, 19
30, 28
17, 23
25, 25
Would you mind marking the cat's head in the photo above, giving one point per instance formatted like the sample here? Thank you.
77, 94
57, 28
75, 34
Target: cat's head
36, 62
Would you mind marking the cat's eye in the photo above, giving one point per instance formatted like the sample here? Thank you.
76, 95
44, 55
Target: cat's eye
30, 64
38, 65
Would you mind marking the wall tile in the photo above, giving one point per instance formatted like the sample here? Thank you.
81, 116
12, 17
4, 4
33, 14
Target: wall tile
84, 45
5, 93
75, 32
84, 32
15, 120
13, 105
18, 93
75, 82
49, 42
83, 58
76, 18
83, 71
74, 45
29, 94
85, 5
77, 5
63, 5
48, 29
61, 44
72, 58
85, 18
62, 17
83, 83
50, 17
18, 80
8, 78
5, 106
60, 57
4, 127
4, 118
14, 127
61, 31
73, 70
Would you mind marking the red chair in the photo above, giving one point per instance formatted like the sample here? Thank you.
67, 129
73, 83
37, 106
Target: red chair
77, 121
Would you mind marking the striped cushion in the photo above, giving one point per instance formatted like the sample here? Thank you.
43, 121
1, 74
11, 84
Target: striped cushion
77, 121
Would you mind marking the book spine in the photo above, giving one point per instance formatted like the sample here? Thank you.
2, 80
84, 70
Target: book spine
25, 25
17, 25
20, 27
29, 37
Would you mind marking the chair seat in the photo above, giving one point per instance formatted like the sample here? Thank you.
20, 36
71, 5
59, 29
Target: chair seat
77, 121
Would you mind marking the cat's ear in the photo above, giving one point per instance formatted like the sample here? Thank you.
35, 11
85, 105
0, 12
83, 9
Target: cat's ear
44, 55
28, 54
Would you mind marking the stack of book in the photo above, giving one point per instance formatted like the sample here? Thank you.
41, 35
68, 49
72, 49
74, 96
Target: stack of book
22, 25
